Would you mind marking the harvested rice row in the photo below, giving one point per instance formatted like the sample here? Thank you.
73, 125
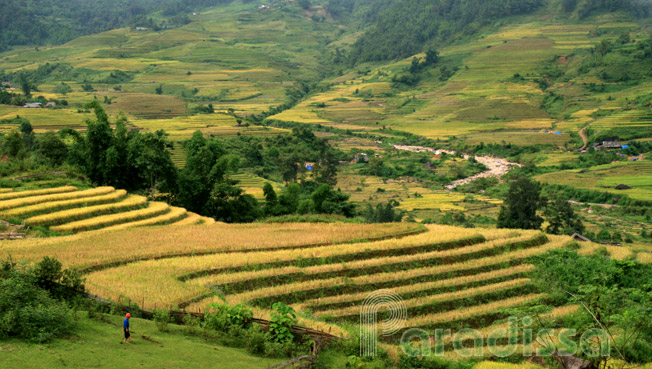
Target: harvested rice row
432, 299
472, 311
31, 200
556, 313
64, 204
174, 214
191, 219
240, 260
46, 191
372, 279
66, 216
154, 209
458, 281
357, 264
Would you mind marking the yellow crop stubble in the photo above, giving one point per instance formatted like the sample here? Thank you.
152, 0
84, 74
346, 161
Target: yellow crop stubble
12, 195
31, 200
472, 311
498, 273
64, 204
174, 214
64, 216
154, 208
427, 300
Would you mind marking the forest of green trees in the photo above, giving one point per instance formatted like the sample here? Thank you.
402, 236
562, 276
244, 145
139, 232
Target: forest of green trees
44, 22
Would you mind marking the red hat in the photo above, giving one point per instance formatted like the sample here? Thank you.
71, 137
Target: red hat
128, 315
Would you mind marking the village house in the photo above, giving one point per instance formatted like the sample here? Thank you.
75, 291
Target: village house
360, 158
50, 104
609, 145
33, 105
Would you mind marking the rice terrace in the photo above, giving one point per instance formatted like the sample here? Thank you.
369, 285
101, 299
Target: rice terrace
412, 184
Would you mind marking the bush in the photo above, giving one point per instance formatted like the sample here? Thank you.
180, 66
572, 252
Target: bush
162, 318
27, 311
225, 317
256, 340
283, 318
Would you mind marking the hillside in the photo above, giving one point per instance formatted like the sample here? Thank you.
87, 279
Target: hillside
98, 341
445, 275
346, 147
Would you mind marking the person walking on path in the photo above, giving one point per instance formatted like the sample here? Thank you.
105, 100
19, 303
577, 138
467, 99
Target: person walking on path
125, 328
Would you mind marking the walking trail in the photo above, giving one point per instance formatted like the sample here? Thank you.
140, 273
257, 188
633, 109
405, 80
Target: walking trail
496, 167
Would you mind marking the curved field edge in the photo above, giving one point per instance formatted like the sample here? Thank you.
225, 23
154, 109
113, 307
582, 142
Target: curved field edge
100, 250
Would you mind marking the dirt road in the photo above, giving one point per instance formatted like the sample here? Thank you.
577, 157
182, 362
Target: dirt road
496, 167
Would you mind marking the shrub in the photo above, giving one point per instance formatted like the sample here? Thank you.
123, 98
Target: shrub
162, 318
256, 340
28, 312
225, 317
283, 318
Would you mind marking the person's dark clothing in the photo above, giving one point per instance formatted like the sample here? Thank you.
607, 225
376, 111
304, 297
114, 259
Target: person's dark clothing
125, 327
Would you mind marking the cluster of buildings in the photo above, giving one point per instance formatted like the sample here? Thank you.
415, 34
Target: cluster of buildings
38, 105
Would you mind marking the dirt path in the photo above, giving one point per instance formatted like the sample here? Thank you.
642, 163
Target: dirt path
496, 167
606, 206
584, 138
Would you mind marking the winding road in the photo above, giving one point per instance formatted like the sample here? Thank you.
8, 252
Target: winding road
496, 167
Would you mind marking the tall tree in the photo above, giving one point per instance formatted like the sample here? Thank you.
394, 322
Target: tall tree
520, 207
562, 218
99, 138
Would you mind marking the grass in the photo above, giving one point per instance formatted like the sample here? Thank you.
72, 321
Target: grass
98, 344
43, 120
637, 175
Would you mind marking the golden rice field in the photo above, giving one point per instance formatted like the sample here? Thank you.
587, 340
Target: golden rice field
445, 275
68, 210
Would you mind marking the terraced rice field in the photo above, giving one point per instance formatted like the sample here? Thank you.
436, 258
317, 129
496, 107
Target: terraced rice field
483, 101
67, 210
446, 276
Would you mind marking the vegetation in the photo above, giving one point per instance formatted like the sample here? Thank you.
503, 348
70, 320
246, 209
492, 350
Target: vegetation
367, 144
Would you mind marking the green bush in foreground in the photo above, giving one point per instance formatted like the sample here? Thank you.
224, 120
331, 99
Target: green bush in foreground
28, 311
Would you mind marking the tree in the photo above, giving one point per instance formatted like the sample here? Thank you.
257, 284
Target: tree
383, 213
25, 84
272, 206
228, 203
327, 201
289, 168
562, 218
520, 207
13, 144
305, 4
99, 138
52, 148
432, 57
326, 170
29, 139
159, 90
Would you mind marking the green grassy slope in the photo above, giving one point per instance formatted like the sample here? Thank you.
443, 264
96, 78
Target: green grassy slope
236, 56
98, 344
532, 77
